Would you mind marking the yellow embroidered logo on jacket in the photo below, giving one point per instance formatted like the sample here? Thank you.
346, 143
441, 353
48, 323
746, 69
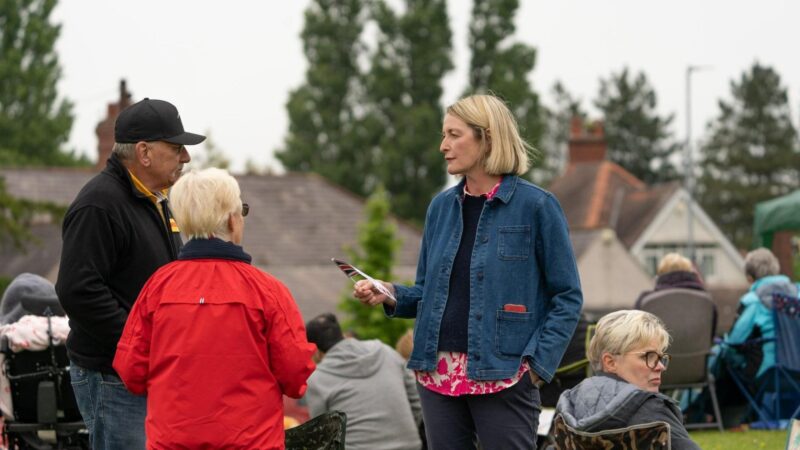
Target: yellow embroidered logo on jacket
174, 225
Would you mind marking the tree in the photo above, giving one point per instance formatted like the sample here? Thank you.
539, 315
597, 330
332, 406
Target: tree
555, 139
322, 110
212, 156
378, 246
16, 216
638, 138
502, 67
751, 155
403, 92
34, 123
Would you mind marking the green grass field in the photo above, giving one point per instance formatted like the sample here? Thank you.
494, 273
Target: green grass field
740, 440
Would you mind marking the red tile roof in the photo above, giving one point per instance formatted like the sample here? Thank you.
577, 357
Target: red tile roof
601, 194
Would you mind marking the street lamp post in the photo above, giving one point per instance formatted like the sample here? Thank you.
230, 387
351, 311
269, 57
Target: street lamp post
689, 164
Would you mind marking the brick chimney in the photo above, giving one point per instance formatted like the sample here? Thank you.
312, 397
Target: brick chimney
587, 143
782, 249
105, 128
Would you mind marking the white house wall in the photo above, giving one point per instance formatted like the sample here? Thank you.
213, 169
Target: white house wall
670, 226
610, 277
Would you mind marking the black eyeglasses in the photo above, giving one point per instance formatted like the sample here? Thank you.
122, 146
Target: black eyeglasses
245, 209
177, 148
653, 358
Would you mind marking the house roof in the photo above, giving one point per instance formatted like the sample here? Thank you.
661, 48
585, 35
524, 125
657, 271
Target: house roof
297, 222
601, 194
581, 240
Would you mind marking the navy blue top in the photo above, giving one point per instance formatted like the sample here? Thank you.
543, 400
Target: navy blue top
453, 335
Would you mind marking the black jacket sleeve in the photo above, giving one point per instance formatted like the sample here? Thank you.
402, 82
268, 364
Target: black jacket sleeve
92, 243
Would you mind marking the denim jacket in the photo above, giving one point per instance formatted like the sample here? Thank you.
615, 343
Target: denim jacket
522, 256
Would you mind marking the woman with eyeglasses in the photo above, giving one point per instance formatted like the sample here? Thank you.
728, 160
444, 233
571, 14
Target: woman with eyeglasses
627, 353
214, 342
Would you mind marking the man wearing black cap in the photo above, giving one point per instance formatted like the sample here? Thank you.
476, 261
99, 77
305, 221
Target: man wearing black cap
116, 233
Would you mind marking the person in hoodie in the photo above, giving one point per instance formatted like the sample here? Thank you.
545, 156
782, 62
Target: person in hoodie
368, 381
627, 353
213, 341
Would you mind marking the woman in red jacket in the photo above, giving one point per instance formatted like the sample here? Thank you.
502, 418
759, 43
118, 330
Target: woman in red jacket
213, 341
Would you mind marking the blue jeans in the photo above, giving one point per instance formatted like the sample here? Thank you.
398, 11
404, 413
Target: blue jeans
114, 416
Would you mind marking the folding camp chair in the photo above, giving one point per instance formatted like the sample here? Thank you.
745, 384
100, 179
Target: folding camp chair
324, 432
573, 367
649, 436
688, 315
778, 389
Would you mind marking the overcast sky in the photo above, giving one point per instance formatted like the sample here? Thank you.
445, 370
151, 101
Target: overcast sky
229, 66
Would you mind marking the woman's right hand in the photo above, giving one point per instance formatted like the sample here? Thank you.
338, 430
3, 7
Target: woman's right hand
366, 293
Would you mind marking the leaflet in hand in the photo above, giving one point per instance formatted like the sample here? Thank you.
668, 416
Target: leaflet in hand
355, 274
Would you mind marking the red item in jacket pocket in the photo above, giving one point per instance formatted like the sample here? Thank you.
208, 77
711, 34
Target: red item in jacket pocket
514, 308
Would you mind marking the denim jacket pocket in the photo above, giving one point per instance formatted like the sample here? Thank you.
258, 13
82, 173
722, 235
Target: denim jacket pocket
514, 242
514, 330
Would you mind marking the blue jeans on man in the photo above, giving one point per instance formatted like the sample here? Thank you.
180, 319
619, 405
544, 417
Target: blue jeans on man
113, 416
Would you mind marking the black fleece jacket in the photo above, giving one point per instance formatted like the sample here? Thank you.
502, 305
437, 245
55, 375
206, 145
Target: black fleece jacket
114, 239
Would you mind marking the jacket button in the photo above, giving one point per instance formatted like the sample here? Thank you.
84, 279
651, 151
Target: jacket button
477, 357
478, 316
480, 275
485, 239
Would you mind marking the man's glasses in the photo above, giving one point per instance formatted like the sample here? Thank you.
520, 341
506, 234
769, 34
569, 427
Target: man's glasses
653, 358
177, 148
245, 209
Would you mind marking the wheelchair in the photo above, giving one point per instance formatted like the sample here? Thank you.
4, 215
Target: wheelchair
44, 414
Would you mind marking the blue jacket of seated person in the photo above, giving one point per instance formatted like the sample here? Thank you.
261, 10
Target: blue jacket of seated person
755, 311
522, 256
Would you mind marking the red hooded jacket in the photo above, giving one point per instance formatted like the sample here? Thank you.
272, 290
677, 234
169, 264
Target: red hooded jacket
214, 343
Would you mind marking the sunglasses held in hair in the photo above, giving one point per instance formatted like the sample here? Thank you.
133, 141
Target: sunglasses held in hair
245, 209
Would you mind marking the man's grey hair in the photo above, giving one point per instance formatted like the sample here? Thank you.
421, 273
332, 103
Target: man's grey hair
124, 151
761, 263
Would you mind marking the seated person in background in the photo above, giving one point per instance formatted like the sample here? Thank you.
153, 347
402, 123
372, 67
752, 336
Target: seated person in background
213, 341
369, 382
755, 314
676, 271
627, 355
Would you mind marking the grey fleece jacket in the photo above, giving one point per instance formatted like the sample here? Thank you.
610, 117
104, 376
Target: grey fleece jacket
369, 382
605, 402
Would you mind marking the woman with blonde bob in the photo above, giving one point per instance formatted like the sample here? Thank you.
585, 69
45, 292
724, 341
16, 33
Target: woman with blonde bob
497, 294
214, 342
628, 355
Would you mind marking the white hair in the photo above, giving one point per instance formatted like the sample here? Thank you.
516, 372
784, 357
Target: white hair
202, 201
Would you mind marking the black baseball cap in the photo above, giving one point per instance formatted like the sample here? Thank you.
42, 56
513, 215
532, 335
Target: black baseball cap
153, 120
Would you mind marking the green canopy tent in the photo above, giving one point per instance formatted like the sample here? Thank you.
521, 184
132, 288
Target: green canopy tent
778, 214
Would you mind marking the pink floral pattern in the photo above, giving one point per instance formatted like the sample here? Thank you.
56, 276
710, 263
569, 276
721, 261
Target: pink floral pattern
489, 195
450, 377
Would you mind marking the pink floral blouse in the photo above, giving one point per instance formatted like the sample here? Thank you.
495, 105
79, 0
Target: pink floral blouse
450, 377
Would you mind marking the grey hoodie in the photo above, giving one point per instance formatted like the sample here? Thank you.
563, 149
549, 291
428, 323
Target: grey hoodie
369, 382
606, 402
